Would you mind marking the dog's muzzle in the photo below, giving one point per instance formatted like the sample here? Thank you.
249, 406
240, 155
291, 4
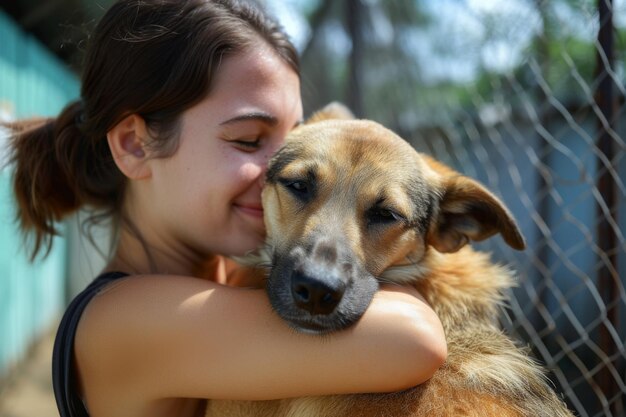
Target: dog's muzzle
319, 289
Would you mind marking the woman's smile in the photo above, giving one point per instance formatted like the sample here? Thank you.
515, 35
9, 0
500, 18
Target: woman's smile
250, 209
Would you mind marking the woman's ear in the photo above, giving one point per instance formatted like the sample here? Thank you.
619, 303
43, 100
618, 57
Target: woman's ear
127, 141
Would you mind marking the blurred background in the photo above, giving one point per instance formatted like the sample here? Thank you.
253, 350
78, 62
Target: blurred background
524, 95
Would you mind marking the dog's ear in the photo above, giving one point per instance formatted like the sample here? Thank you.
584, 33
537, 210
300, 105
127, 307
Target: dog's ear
334, 110
468, 211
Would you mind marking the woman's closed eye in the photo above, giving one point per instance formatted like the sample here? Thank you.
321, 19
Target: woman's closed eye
248, 143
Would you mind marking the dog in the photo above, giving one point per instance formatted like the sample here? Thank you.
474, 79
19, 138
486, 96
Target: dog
349, 204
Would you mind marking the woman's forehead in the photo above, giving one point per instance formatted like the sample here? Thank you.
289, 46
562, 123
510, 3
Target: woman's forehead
256, 82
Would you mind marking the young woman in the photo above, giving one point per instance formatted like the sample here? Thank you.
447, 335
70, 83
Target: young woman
182, 104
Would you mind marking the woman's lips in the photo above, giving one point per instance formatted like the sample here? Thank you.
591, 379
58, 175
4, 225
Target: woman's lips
251, 210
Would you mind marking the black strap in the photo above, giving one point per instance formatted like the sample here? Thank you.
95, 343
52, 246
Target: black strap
64, 381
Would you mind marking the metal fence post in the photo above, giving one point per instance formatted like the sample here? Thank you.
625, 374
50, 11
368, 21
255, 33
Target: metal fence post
608, 280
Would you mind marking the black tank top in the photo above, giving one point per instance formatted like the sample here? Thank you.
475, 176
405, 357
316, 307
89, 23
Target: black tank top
68, 400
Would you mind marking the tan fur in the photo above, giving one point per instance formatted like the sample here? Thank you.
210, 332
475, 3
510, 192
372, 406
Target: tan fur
486, 373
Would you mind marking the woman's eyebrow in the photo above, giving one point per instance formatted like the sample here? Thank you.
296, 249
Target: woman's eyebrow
266, 118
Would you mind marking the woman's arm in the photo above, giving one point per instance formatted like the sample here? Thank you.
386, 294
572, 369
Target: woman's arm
186, 337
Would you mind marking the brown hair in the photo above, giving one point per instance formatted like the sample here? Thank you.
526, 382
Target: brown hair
147, 57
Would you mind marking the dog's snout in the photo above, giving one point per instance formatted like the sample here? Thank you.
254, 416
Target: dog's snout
325, 253
314, 295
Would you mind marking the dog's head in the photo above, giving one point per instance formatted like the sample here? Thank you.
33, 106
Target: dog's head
345, 200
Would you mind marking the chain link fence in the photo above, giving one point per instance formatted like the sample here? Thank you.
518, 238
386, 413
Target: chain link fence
526, 96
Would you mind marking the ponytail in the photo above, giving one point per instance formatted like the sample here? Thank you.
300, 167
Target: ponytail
58, 169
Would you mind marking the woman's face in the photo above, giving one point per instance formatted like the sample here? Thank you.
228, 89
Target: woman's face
209, 191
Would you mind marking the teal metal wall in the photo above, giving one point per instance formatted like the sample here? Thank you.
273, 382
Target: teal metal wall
32, 83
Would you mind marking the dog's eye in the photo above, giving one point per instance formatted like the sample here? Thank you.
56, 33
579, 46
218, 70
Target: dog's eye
382, 215
298, 188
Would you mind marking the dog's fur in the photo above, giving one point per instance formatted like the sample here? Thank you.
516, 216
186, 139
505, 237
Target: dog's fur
350, 204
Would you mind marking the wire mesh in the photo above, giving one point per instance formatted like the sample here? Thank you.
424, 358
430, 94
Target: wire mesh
528, 97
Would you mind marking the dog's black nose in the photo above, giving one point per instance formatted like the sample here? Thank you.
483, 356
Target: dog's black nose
314, 295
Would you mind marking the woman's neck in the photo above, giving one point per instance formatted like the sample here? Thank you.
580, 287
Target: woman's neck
139, 253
